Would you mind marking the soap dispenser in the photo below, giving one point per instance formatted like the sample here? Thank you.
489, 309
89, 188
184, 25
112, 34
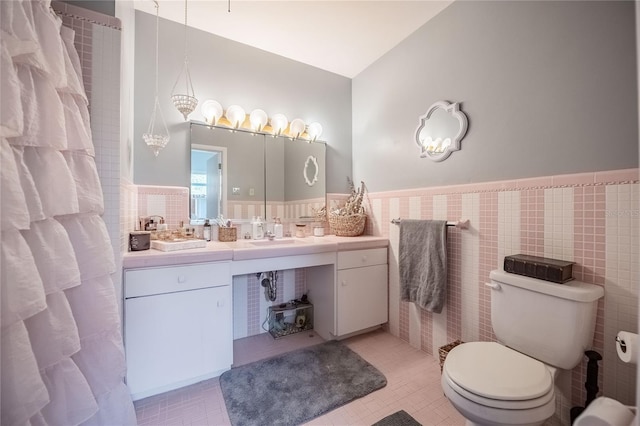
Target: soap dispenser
277, 228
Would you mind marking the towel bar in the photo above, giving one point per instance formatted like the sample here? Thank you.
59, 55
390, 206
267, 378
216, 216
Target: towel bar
462, 224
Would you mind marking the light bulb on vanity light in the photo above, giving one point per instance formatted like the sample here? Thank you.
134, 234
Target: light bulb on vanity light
279, 123
314, 130
296, 128
258, 119
211, 111
236, 116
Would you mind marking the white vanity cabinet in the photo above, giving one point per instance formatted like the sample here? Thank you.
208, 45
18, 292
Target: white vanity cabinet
361, 290
177, 325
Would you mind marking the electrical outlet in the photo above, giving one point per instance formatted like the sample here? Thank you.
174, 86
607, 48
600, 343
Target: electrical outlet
252, 192
235, 190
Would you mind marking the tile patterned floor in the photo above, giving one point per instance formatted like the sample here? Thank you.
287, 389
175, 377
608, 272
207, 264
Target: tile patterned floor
413, 385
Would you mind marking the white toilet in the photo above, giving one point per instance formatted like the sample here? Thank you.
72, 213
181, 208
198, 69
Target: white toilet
541, 327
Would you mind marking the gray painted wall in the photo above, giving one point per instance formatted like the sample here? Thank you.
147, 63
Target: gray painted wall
108, 7
549, 88
231, 73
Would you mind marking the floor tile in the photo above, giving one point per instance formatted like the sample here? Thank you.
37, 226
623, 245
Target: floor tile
413, 385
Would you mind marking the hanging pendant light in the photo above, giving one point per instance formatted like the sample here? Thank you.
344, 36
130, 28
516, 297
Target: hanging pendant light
184, 102
157, 135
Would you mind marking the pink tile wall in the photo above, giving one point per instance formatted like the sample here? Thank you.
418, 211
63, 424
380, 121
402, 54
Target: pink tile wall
589, 255
588, 242
532, 217
253, 305
454, 270
301, 282
426, 344
488, 259
170, 202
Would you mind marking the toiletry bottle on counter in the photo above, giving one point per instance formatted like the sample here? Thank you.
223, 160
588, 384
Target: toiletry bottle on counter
256, 228
260, 228
206, 230
277, 228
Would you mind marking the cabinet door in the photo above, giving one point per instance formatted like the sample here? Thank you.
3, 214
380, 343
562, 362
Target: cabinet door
362, 298
178, 338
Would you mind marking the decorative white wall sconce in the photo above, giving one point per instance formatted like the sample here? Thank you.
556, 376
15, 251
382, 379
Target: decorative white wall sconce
440, 131
258, 121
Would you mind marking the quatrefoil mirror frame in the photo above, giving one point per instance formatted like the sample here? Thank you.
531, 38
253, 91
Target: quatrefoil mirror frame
311, 161
438, 148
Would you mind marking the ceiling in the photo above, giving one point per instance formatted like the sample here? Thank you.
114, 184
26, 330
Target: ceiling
343, 37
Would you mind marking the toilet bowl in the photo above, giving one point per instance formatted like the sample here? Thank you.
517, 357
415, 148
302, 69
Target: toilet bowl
542, 327
490, 384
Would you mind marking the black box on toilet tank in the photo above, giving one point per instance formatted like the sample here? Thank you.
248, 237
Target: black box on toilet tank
543, 268
139, 240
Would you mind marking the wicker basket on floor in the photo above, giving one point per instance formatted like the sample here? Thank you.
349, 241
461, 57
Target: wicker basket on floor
444, 351
348, 225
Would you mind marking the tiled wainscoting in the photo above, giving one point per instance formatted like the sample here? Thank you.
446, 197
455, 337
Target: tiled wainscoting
589, 218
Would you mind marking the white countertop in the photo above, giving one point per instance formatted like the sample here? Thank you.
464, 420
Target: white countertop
251, 249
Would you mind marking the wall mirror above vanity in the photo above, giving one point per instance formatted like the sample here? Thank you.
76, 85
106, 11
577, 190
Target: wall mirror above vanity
440, 130
240, 174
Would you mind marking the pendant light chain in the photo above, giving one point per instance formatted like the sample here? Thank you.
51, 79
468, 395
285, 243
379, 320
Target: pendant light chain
156, 140
184, 102
157, 50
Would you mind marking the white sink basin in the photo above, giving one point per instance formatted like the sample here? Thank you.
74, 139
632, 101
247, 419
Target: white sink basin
263, 243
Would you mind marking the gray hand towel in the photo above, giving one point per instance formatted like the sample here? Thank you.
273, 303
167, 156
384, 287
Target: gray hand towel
423, 263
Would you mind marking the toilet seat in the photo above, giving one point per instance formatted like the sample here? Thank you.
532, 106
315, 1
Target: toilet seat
493, 375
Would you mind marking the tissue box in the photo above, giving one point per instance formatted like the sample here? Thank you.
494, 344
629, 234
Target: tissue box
557, 271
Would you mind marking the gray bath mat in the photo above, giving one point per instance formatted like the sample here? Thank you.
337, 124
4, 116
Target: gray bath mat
399, 418
298, 386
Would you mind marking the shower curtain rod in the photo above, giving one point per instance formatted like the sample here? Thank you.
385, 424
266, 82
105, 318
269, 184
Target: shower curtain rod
462, 224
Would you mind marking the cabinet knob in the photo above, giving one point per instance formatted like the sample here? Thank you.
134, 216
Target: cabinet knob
343, 283
220, 303
182, 278
364, 259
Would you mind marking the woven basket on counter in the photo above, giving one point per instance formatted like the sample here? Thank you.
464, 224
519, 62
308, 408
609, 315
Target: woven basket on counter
347, 226
227, 234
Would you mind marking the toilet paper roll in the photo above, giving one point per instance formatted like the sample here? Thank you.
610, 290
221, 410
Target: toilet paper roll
605, 411
627, 347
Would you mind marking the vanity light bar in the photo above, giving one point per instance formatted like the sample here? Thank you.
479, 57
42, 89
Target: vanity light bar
258, 122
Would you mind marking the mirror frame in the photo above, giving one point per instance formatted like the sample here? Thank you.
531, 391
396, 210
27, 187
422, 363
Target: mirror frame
454, 110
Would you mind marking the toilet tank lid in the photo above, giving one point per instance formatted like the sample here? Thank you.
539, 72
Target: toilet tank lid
572, 290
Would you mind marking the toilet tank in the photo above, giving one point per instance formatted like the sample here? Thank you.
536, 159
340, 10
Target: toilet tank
553, 323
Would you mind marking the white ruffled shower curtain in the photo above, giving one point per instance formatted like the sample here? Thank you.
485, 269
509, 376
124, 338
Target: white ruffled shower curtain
62, 358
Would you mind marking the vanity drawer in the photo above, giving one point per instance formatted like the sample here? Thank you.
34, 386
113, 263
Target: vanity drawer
159, 280
360, 258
